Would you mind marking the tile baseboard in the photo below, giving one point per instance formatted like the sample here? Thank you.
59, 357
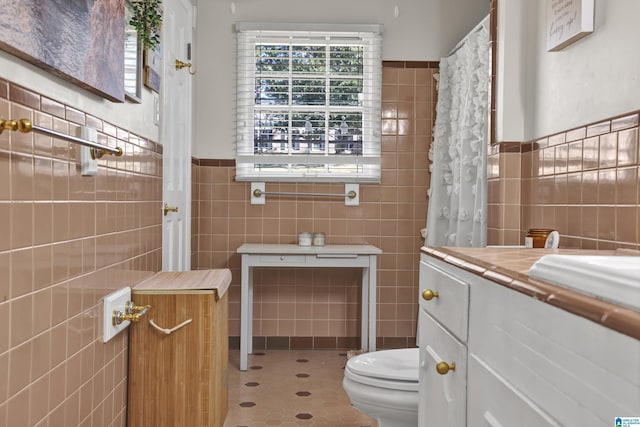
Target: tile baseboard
320, 343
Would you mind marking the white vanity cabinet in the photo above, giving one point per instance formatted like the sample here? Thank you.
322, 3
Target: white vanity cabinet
526, 363
444, 303
562, 369
494, 402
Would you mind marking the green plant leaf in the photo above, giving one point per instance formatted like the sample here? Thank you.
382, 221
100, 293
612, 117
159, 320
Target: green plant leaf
146, 19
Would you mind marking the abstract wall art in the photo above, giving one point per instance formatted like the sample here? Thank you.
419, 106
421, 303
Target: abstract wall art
78, 40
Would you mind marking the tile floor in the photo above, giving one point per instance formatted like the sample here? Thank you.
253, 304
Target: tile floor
291, 388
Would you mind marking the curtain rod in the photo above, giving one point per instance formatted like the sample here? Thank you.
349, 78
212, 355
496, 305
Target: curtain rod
480, 25
25, 126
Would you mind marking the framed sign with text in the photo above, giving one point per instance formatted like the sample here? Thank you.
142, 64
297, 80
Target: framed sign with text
568, 21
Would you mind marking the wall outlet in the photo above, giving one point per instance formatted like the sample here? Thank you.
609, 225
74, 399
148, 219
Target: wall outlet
115, 301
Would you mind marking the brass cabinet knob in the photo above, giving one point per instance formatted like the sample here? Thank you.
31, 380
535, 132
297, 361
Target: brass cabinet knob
443, 367
428, 294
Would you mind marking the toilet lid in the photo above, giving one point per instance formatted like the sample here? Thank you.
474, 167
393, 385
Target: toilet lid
399, 364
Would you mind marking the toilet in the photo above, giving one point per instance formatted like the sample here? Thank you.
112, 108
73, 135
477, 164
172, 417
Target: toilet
384, 385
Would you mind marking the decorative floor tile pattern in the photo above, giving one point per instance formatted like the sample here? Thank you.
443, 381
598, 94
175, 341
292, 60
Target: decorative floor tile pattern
291, 388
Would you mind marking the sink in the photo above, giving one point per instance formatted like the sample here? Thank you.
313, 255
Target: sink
611, 278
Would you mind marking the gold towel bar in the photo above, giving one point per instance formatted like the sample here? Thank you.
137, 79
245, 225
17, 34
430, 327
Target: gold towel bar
24, 125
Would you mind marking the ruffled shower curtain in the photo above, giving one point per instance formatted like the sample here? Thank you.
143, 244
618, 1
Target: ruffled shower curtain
458, 193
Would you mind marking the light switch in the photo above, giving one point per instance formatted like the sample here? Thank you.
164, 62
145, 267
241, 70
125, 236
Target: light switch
156, 110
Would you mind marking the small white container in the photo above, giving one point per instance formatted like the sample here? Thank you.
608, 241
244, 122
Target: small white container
304, 239
318, 239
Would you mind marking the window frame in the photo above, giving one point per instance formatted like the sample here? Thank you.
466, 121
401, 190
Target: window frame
366, 159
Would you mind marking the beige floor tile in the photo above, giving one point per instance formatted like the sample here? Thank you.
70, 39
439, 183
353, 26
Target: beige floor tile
291, 388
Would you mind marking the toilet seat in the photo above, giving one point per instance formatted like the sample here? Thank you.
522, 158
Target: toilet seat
409, 386
384, 385
392, 369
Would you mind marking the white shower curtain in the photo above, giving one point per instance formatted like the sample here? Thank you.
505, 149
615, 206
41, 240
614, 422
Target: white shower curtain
458, 193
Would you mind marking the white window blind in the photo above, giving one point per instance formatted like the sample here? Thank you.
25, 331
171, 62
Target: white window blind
308, 102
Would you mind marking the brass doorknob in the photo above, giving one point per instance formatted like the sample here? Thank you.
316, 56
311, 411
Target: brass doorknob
428, 294
443, 367
168, 209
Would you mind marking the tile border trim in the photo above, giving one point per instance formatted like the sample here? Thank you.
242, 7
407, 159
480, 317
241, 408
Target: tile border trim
320, 343
213, 162
31, 99
612, 124
411, 64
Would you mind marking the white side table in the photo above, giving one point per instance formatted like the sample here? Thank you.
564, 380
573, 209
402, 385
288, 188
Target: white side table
290, 255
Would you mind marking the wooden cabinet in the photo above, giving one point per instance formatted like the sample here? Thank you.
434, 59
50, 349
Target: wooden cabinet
180, 378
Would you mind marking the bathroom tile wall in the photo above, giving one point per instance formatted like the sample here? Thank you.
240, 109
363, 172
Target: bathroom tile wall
305, 308
583, 182
65, 242
504, 194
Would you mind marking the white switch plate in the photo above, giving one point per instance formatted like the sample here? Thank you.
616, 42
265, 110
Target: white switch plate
114, 301
156, 110
88, 165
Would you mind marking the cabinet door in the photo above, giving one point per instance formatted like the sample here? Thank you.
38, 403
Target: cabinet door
442, 396
493, 402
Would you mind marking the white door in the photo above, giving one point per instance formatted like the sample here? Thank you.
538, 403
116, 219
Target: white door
175, 136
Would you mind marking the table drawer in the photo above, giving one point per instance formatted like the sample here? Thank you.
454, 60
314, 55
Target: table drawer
446, 298
282, 259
